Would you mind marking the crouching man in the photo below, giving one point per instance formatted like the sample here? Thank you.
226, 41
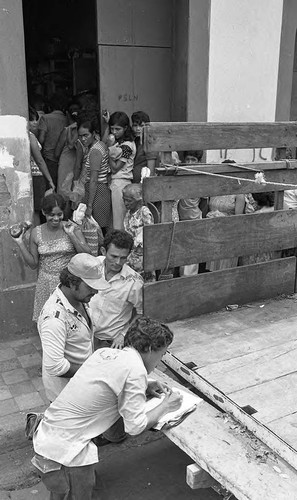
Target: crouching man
109, 389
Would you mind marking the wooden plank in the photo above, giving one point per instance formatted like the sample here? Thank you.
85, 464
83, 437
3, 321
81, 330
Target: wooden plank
272, 400
185, 297
165, 188
227, 168
229, 456
233, 348
218, 238
277, 445
279, 200
286, 428
180, 136
252, 369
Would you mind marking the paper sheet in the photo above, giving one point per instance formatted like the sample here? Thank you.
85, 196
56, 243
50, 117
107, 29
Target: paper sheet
189, 404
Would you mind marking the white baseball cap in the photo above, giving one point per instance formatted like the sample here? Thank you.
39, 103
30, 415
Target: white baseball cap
86, 267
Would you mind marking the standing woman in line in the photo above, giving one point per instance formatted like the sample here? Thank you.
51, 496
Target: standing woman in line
94, 172
51, 246
39, 170
121, 161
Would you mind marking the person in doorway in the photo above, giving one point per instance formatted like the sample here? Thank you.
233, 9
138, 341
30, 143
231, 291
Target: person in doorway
108, 391
50, 128
114, 308
142, 159
65, 326
65, 153
95, 170
51, 247
121, 164
39, 170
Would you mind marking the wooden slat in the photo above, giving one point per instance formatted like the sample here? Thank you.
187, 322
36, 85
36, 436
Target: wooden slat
253, 368
286, 428
235, 345
185, 297
273, 399
180, 136
226, 404
230, 456
165, 188
227, 168
222, 237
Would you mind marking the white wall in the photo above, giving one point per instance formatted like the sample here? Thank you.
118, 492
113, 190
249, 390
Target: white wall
243, 65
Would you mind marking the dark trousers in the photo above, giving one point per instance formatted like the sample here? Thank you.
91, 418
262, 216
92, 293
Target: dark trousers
53, 170
71, 483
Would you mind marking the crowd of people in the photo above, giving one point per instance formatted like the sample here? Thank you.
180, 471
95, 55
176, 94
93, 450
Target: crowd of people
97, 347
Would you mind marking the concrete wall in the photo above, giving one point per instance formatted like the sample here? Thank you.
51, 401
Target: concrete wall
286, 106
16, 281
191, 56
243, 64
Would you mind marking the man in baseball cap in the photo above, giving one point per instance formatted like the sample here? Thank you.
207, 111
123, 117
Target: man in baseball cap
65, 325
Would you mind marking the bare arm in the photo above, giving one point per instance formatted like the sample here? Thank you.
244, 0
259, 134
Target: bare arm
115, 165
77, 238
37, 157
31, 256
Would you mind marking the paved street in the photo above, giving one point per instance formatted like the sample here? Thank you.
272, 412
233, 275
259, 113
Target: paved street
147, 467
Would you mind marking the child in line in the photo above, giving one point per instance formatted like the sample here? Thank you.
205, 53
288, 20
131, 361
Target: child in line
121, 161
142, 159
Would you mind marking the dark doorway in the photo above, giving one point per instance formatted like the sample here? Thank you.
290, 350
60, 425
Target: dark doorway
61, 46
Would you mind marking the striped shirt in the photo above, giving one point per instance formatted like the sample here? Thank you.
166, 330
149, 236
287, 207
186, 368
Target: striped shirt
104, 168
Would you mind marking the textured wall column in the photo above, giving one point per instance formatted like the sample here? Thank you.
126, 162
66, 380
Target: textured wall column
16, 280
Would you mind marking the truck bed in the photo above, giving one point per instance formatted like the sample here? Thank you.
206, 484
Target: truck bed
250, 354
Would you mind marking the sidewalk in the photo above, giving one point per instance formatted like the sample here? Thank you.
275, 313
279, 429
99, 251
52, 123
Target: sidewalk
148, 466
21, 390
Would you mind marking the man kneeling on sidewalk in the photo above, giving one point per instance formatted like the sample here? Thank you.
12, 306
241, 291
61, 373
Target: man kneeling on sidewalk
109, 390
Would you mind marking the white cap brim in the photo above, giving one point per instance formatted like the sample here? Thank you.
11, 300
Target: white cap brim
97, 284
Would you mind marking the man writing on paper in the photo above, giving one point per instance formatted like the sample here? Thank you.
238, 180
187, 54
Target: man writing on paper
108, 390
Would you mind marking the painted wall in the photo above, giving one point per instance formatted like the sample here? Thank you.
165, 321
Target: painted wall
190, 61
198, 60
13, 89
17, 283
286, 106
243, 65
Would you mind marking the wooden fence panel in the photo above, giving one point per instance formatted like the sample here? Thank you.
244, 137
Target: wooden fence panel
165, 188
180, 136
219, 238
181, 298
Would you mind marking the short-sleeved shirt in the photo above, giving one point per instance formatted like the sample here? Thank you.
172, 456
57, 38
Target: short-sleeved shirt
128, 155
112, 308
52, 124
188, 209
110, 384
290, 199
66, 337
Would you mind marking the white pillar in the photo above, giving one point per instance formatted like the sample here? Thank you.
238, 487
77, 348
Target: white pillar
243, 65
